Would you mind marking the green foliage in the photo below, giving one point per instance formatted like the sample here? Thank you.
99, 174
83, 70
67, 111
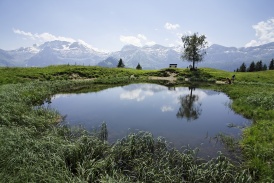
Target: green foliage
271, 65
194, 48
255, 100
139, 67
259, 144
65, 72
34, 149
262, 100
121, 64
258, 66
242, 68
252, 67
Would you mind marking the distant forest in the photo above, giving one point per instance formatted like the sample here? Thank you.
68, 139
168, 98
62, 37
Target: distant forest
253, 67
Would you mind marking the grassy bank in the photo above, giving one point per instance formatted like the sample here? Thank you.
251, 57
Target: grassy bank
255, 100
33, 149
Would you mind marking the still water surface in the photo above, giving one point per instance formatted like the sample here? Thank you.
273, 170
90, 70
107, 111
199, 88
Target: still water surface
184, 116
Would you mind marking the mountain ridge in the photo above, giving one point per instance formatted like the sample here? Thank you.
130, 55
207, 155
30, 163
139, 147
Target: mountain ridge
150, 57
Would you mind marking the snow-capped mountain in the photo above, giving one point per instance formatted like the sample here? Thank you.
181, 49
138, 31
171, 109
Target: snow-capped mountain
230, 58
17, 57
52, 53
219, 57
109, 62
150, 57
62, 52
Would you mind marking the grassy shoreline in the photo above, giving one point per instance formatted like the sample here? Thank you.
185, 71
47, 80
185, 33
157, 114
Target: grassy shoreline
21, 124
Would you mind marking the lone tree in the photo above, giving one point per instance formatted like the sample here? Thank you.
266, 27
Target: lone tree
121, 64
139, 67
194, 48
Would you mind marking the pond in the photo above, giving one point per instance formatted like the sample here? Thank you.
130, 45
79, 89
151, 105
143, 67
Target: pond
182, 115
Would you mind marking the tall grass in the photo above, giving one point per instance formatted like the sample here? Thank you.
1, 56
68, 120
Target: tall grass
35, 149
255, 101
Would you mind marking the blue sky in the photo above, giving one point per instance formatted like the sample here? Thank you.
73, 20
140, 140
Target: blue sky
110, 24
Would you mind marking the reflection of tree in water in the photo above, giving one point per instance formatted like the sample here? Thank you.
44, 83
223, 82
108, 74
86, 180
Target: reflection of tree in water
190, 108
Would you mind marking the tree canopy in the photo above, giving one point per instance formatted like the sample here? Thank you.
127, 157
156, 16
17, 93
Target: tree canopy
194, 48
139, 67
271, 65
255, 66
121, 64
242, 68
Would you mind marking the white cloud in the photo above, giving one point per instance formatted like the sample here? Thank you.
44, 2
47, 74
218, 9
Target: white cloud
139, 40
170, 26
44, 37
166, 108
137, 94
141, 36
264, 33
131, 40
150, 43
133, 95
17, 31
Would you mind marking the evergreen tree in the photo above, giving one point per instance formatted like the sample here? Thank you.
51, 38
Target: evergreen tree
251, 67
242, 68
139, 67
264, 67
259, 66
121, 64
271, 65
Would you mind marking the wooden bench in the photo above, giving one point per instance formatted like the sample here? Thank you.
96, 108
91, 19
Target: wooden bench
172, 65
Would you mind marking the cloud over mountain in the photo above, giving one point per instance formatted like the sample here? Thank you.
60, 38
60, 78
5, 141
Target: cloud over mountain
264, 33
150, 57
139, 40
46, 37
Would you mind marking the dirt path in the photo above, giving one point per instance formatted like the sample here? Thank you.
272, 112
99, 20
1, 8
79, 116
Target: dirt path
171, 78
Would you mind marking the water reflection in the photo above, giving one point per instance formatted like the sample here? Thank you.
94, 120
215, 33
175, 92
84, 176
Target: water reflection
190, 107
158, 109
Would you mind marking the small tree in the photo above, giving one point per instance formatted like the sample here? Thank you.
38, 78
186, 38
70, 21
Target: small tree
264, 67
252, 67
121, 64
242, 68
259, 66
271, 65
194, 48
139, 67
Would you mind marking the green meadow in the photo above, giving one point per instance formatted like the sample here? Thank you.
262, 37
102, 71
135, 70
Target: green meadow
35, 148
